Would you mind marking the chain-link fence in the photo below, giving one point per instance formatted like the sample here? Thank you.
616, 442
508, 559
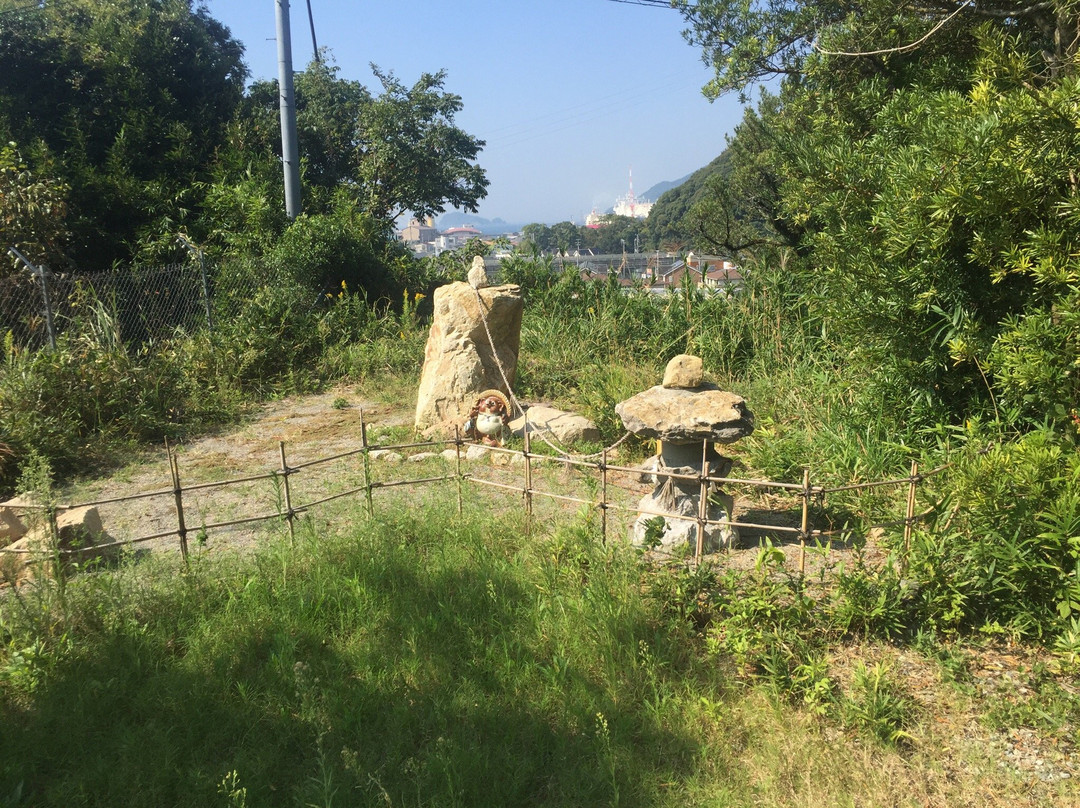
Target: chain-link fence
145, 304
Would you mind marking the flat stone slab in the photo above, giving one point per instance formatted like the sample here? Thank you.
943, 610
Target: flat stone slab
565, 427
386, 455
687, 416
475, 452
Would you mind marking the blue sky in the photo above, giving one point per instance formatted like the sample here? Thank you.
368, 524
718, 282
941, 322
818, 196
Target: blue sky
568, 94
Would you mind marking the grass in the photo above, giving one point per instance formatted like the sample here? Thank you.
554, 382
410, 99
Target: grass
423, 659
435, 665
419, 660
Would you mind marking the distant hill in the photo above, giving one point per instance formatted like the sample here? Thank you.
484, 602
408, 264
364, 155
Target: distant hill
665, 222
489, 227
654, 193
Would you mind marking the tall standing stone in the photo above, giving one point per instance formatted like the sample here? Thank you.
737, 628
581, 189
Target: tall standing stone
459, 362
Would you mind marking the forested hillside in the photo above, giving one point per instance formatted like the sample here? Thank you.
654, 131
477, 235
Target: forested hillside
667, 227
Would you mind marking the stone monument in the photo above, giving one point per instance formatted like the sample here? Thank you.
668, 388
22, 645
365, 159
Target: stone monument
459, 361
684, 413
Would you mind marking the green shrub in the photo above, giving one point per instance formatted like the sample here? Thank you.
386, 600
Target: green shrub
768, 623
1007, 551
321, 252
59, 402
871, 601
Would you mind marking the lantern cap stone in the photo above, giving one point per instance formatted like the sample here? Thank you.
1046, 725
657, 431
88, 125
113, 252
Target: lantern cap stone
677, 415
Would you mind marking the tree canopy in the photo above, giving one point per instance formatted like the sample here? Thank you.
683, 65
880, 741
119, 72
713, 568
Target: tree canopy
394, 152
745, 42
33, 210
131, 120
411, 156
126, 102
920, 161
666, 225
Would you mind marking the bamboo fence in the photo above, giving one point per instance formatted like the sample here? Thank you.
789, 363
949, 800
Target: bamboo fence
287, 510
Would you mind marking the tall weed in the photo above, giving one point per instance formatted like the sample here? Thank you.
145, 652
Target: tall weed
1006, 552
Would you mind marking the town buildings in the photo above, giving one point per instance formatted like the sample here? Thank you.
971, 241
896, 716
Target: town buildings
423, 238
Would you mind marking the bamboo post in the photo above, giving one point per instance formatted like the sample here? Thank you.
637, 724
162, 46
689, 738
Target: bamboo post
457, 457
703, 505
805, 519
178, 499
205, 292
57, 563
289, 512
48, 307
367, 465
603, 497
40, 273
909, 516
527, 492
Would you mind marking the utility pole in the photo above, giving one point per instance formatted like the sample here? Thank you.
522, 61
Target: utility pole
290, 152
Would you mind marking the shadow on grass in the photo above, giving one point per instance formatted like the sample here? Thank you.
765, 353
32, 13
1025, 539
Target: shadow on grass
401, 666
792, 518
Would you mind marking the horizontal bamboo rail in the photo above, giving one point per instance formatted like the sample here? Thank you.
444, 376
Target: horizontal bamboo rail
282, 475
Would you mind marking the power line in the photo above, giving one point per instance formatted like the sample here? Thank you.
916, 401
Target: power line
654, 3
33, 5
311, 21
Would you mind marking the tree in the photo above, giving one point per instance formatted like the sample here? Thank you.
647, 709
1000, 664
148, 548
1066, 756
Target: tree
129, 99
738, 207
665, 226
564, 235
928, 185
748, 42
538, 235
411, 156
328, 110
33, 211
613, 235
396, 152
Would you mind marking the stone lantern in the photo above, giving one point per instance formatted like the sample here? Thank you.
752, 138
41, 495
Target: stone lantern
687, 415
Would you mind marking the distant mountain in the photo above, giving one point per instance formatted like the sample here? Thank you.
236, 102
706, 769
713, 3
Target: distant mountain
666, 219
489, 227
654, 193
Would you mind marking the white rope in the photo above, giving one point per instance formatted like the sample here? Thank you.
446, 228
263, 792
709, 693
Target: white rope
514, 400
495, 353
901, 48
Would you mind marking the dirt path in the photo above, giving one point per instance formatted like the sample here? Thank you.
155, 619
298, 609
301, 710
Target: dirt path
312, 427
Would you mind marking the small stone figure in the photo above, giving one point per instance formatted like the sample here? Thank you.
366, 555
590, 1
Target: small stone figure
478, 275
487, 419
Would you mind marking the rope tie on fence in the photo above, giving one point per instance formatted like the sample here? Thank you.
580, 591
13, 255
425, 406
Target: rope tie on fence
517, 404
